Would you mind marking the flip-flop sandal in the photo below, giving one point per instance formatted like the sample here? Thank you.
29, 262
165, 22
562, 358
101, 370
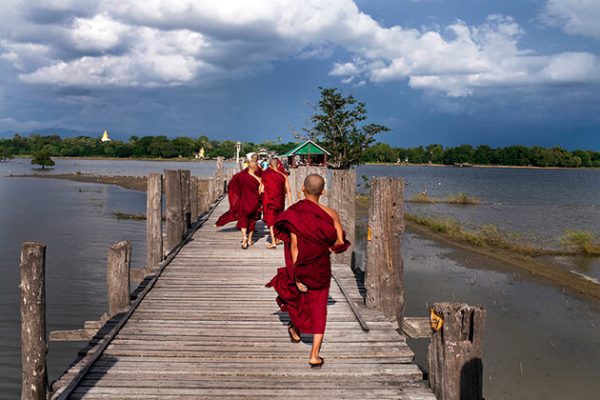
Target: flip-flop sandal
319, 365
293, 340
271, 246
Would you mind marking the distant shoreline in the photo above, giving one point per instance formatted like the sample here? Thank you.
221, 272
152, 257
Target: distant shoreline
477, 166
127, 182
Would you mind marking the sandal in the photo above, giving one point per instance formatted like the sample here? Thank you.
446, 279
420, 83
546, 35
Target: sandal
251, 243
244, 244
317, 365
290, 328
271, 246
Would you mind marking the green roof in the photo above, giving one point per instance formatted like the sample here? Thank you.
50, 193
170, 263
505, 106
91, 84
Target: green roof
308, 147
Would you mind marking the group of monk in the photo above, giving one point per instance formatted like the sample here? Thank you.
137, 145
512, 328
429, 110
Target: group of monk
253, 192
309, 231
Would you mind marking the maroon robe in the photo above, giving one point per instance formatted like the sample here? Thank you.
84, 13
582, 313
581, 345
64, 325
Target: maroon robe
244, 201
274, 195
316, 235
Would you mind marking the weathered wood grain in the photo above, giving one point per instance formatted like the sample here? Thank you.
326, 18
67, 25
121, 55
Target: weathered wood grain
208, 328
34, 347
154, 239
384, 272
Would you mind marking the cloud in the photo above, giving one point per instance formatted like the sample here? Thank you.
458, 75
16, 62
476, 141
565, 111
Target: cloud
127, 43
575, 17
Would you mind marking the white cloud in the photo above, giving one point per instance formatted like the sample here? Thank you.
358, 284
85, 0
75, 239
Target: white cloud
575, 17
162, 43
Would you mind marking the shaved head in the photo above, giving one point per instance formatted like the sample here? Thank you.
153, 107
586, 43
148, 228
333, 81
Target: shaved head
253, 165
274, 162
314, 184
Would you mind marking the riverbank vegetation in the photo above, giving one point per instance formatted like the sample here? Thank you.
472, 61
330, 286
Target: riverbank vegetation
460, 198
187, 147
585, 242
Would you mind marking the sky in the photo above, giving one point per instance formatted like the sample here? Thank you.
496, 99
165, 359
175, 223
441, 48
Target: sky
497, 72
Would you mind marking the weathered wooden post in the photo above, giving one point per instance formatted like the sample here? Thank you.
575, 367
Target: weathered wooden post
174, 208
117, 277
384, 272
34, 347
342, 199
154, 243
203, 201
185, 196
211, 191
194, 198
220, 177
455, 352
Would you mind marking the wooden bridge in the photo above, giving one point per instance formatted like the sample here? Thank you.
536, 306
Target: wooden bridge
203, 326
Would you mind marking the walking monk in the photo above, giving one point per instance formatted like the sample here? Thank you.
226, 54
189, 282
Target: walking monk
311, 232
276, 187
244, 203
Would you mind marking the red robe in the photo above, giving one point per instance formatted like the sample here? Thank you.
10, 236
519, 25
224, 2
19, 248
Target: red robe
244, 201
316, 235
274, 195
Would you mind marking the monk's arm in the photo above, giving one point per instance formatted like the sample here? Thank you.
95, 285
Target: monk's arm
261, 187
294, 247
294, 250
288, 191
337, 224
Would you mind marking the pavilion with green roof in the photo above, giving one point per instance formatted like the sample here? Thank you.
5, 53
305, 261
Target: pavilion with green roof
307, 153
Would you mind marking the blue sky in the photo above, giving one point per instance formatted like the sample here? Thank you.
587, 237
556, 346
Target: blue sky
498, 72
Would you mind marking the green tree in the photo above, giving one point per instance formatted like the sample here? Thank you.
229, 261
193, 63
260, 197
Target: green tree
185, 146
380, 152
5, 154
336, 125
42, 158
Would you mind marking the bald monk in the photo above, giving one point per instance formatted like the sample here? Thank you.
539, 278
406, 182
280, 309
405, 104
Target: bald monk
311, 232
275, 188
244, 203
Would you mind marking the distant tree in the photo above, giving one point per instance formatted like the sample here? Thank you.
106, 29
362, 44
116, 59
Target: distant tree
185, 146
435, 153
162, 147
380, 152
336, 125
42, 158
5, 154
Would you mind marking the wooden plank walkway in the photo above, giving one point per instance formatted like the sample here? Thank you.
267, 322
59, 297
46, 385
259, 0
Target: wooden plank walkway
210, 329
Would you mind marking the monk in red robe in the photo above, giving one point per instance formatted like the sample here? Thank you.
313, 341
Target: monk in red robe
275, 188
244, 203
311, 232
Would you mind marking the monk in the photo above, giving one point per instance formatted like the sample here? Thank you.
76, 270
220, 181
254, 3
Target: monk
311, 232
244, 203
275, 188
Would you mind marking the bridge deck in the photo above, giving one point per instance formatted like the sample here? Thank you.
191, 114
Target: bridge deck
210, 329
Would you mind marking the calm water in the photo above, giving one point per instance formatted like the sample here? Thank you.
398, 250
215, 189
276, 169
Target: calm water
75, 220
537, 204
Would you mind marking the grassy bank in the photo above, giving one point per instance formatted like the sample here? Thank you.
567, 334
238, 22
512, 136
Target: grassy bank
550, 273
460, 198
127, 182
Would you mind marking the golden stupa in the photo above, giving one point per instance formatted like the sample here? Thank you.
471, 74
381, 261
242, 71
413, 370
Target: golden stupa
105, 137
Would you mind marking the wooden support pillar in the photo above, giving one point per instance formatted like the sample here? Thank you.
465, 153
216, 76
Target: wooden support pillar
174, 207
342, 199
34, 345
154, 240
185, 196
384, 272
194, 198
203, 196
117, 277
211, 191
220, 177
455, 352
